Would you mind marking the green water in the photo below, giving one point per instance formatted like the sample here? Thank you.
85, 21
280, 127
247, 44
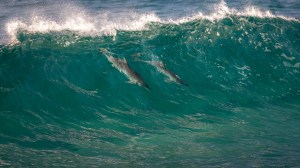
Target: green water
62, 103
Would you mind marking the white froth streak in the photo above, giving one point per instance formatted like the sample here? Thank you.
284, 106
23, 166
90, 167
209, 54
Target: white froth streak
42, 25
222, 11
84, 25
80, 25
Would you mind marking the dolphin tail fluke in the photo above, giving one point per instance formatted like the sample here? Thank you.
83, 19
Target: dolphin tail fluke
185, 84
147, 87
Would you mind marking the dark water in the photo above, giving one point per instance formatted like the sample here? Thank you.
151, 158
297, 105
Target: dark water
63, 104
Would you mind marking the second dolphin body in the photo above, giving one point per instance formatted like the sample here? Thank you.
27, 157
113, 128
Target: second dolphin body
122, 66
162, 69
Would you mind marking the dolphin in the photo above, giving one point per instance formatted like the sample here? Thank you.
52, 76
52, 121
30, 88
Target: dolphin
162, 69
122, 66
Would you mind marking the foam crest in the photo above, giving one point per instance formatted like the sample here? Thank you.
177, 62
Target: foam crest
42, 25
108, 23
221, 11
84, 25
254, 11
131, 22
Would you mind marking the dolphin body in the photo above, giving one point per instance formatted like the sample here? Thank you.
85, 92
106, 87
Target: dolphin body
122, 66
162, 69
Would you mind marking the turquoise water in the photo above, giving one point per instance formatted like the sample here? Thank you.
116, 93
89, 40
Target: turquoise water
62, 103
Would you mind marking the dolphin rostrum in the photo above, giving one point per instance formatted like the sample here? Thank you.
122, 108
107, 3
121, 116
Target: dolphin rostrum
122, 66
162, 69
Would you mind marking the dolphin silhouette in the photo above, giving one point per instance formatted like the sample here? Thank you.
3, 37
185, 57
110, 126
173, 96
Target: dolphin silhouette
172, 77
122, 66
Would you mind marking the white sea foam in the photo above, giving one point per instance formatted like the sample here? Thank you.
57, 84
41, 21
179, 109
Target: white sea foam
84, 25
221, 11
108, 23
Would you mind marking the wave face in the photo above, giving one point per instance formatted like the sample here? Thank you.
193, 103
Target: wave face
63, 104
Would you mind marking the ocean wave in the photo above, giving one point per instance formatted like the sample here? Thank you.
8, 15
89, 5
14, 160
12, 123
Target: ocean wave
107, 23
63, 103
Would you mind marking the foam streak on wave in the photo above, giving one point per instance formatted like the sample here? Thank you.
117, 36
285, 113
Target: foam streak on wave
108, 23
82, 25
221, 11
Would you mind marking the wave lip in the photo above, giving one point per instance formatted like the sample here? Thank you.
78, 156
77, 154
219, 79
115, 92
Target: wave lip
221, 11
84, 25
108, 23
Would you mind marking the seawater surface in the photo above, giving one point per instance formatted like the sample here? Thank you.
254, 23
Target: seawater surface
63, 104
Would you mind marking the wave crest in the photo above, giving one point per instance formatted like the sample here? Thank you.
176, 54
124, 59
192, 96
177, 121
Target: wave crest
108, 23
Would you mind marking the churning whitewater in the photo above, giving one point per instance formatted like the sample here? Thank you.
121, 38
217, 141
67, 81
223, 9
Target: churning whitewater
220, 84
